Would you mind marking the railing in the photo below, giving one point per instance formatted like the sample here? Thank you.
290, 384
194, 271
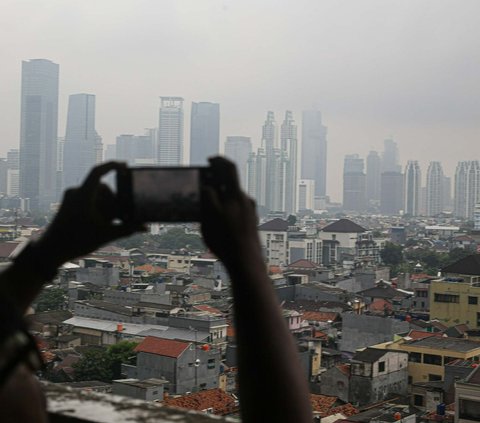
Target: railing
66, 405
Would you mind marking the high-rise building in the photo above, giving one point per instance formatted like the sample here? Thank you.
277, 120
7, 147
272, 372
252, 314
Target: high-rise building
38, 132
170, 132
447, 193
390, 156
391, 193
204, 132
238, 149
467, 188
314, 150
412, 186
13, 172
354, 183
289, 178
435, 189
257, 177
135, 149
79, 151
374, 168
306, 194
272, 154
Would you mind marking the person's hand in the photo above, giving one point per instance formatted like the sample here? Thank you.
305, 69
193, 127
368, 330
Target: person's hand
229, 220
85, 220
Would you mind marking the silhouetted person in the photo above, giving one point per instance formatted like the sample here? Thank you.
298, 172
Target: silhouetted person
272, 386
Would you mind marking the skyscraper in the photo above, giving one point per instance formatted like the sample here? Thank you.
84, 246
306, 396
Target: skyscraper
435, 189
272, 154
257, 177
412, 188
135, 149
289, 178
38, 132
391, 193
170, 131
374, 166
314, 150
390, 156
467, 188
204, 132
354, 183
238, 149
79, 151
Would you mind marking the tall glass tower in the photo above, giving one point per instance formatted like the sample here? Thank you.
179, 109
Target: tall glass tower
204, 132
38, 132
170, 132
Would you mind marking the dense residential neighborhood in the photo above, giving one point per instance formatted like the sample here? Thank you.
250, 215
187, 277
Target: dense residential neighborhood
386, 329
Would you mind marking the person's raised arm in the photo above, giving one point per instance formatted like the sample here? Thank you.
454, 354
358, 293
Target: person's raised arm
272, 385
84, 222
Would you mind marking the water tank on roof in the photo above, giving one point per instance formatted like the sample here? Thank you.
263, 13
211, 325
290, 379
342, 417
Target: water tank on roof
441, 409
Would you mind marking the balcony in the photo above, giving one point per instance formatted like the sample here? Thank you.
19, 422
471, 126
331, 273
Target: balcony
66, 405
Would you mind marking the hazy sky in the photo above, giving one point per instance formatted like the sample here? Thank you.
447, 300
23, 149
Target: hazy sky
375, 68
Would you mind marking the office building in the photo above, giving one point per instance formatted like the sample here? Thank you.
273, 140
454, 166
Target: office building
79, 151
467, 188
306, 194
204, 132
170, 132
38, 132
238, 150
289, 179
354, 183
390, 156
391, 193
273, 165
135, 149
13, 173
412, 188
435, 190
374, 168
314, 150
257, 177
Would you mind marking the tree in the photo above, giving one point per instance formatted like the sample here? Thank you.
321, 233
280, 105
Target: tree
50, 299
291, 219
176, 238
392, 254
105, 364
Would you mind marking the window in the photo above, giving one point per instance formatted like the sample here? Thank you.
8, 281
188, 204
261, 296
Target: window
211, 363
422, 294
418, 400
415, 357
410, 380
469, 409
432, 359
381, 366
155, 393
472, 300
434, 378
447, 298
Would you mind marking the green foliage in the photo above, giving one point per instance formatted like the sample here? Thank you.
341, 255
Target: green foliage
392, 254
176, 238
292, 219
50, 299
105, 364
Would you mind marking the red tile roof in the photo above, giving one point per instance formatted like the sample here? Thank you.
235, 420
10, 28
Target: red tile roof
208, 309
220, 401
322, 403
420, 334
347, 410
320, 316
303, 264
160, 346
150, 268
380, 304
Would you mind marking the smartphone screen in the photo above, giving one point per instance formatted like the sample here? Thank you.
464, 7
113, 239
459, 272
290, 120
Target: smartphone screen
166, 194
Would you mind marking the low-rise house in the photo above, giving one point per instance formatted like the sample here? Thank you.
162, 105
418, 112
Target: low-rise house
186, 366
274, 240
146, 390
428, 356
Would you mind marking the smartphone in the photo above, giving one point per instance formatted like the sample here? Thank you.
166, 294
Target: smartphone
160, 194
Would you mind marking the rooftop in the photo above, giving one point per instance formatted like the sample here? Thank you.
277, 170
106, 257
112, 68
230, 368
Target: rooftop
469, 265
275, 225
163, 347
343, 226
216, 399
452, 344
369, 355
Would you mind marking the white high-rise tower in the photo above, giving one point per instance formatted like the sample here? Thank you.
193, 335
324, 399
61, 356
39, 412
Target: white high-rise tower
435, 189
170, 132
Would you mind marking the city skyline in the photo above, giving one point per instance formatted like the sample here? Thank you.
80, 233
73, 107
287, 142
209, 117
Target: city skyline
416, 82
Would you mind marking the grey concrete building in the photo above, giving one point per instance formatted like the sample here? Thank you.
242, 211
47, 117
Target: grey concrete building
204, 132
238, 149
361, 331
186, 366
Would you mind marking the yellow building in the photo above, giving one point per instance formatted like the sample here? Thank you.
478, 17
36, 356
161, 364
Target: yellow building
427, 356
455, 302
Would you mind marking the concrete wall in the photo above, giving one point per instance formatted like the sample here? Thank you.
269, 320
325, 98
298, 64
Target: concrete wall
335, 383
360, 331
